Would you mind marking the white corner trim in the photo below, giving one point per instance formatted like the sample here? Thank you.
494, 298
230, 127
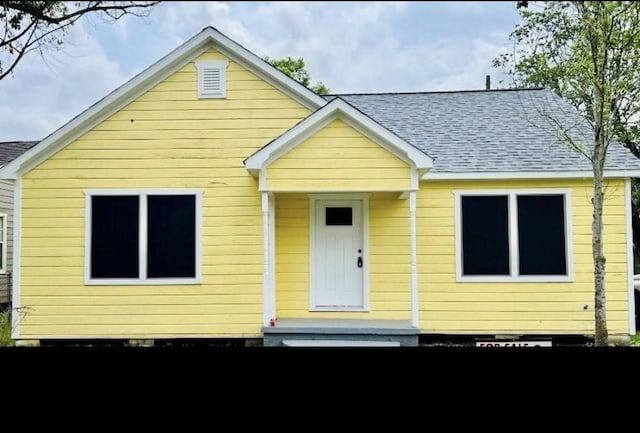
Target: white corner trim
630, 258
208, 65
5, 240
142, 193
16, 304
527, 175
337, 109
415, 311
147, 79
513, 235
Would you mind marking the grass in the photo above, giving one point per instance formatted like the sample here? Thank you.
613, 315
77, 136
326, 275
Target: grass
5, 328
635, 339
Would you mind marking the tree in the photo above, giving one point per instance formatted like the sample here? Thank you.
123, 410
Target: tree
38, 25
295, 69
588, 53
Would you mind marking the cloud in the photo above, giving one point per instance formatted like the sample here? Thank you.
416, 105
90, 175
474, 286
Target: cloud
46, 92
468, 7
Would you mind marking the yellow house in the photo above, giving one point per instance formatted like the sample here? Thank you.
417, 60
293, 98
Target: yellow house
213, 197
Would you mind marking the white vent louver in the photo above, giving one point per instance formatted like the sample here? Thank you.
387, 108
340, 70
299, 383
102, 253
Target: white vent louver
212, 80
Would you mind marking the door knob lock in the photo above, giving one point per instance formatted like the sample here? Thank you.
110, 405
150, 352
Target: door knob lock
359, 262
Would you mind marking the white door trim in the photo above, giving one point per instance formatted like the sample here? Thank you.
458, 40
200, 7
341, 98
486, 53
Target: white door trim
364, 198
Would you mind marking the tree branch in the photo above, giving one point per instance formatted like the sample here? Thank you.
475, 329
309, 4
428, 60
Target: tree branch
31, 9
35, 24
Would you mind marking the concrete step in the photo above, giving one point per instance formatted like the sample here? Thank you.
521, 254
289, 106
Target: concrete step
339, 343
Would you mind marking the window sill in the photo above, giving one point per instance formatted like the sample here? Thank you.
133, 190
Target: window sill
518, 279
138, 282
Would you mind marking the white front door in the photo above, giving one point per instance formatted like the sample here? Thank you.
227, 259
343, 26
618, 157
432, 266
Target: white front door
338, 256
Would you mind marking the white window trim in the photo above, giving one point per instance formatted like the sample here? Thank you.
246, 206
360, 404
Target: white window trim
142, 262
221, 65
513, 236
364, 198
3, 263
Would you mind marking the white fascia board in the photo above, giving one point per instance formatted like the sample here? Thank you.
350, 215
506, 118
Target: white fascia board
528, 175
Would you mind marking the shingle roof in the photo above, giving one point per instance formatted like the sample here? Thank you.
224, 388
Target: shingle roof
9, 150
488, 131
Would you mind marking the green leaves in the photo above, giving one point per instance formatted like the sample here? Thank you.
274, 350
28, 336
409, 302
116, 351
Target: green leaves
295, 68
587, 52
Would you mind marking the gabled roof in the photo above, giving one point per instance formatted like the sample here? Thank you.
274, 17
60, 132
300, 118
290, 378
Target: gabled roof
10, 150
337, 109
491, 132
468, 134
145, 80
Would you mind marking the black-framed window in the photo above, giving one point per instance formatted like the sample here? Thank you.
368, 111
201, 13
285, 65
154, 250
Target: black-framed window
143, 237
485, 235
513, 234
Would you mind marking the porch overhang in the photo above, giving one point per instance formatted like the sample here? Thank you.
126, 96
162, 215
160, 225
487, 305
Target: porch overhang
336, 150
346, 170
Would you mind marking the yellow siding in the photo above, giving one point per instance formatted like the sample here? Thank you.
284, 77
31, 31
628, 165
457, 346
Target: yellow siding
170, 139
388, 280
514, 308
167, 138
338, 158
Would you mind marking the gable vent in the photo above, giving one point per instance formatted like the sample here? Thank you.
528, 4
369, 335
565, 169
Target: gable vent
212, 79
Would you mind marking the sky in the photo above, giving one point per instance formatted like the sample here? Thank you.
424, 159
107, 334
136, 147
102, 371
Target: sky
352, 47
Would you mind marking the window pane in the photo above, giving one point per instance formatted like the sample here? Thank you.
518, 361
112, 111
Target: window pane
485, 235
338, 216
114, 237
172, 236
541, 237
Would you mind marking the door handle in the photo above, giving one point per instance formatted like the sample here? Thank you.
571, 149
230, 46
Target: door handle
359, 262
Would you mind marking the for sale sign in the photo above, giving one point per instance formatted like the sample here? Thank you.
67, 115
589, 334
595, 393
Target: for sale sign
513, 343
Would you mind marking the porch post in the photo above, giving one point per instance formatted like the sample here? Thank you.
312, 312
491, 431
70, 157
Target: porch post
269, 305
414, 260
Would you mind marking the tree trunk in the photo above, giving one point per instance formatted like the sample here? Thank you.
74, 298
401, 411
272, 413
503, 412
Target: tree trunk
599, 260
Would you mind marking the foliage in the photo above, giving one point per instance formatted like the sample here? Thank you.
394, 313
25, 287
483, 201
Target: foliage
38, 25
5, 328
589, 53
635, 340
295, 68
